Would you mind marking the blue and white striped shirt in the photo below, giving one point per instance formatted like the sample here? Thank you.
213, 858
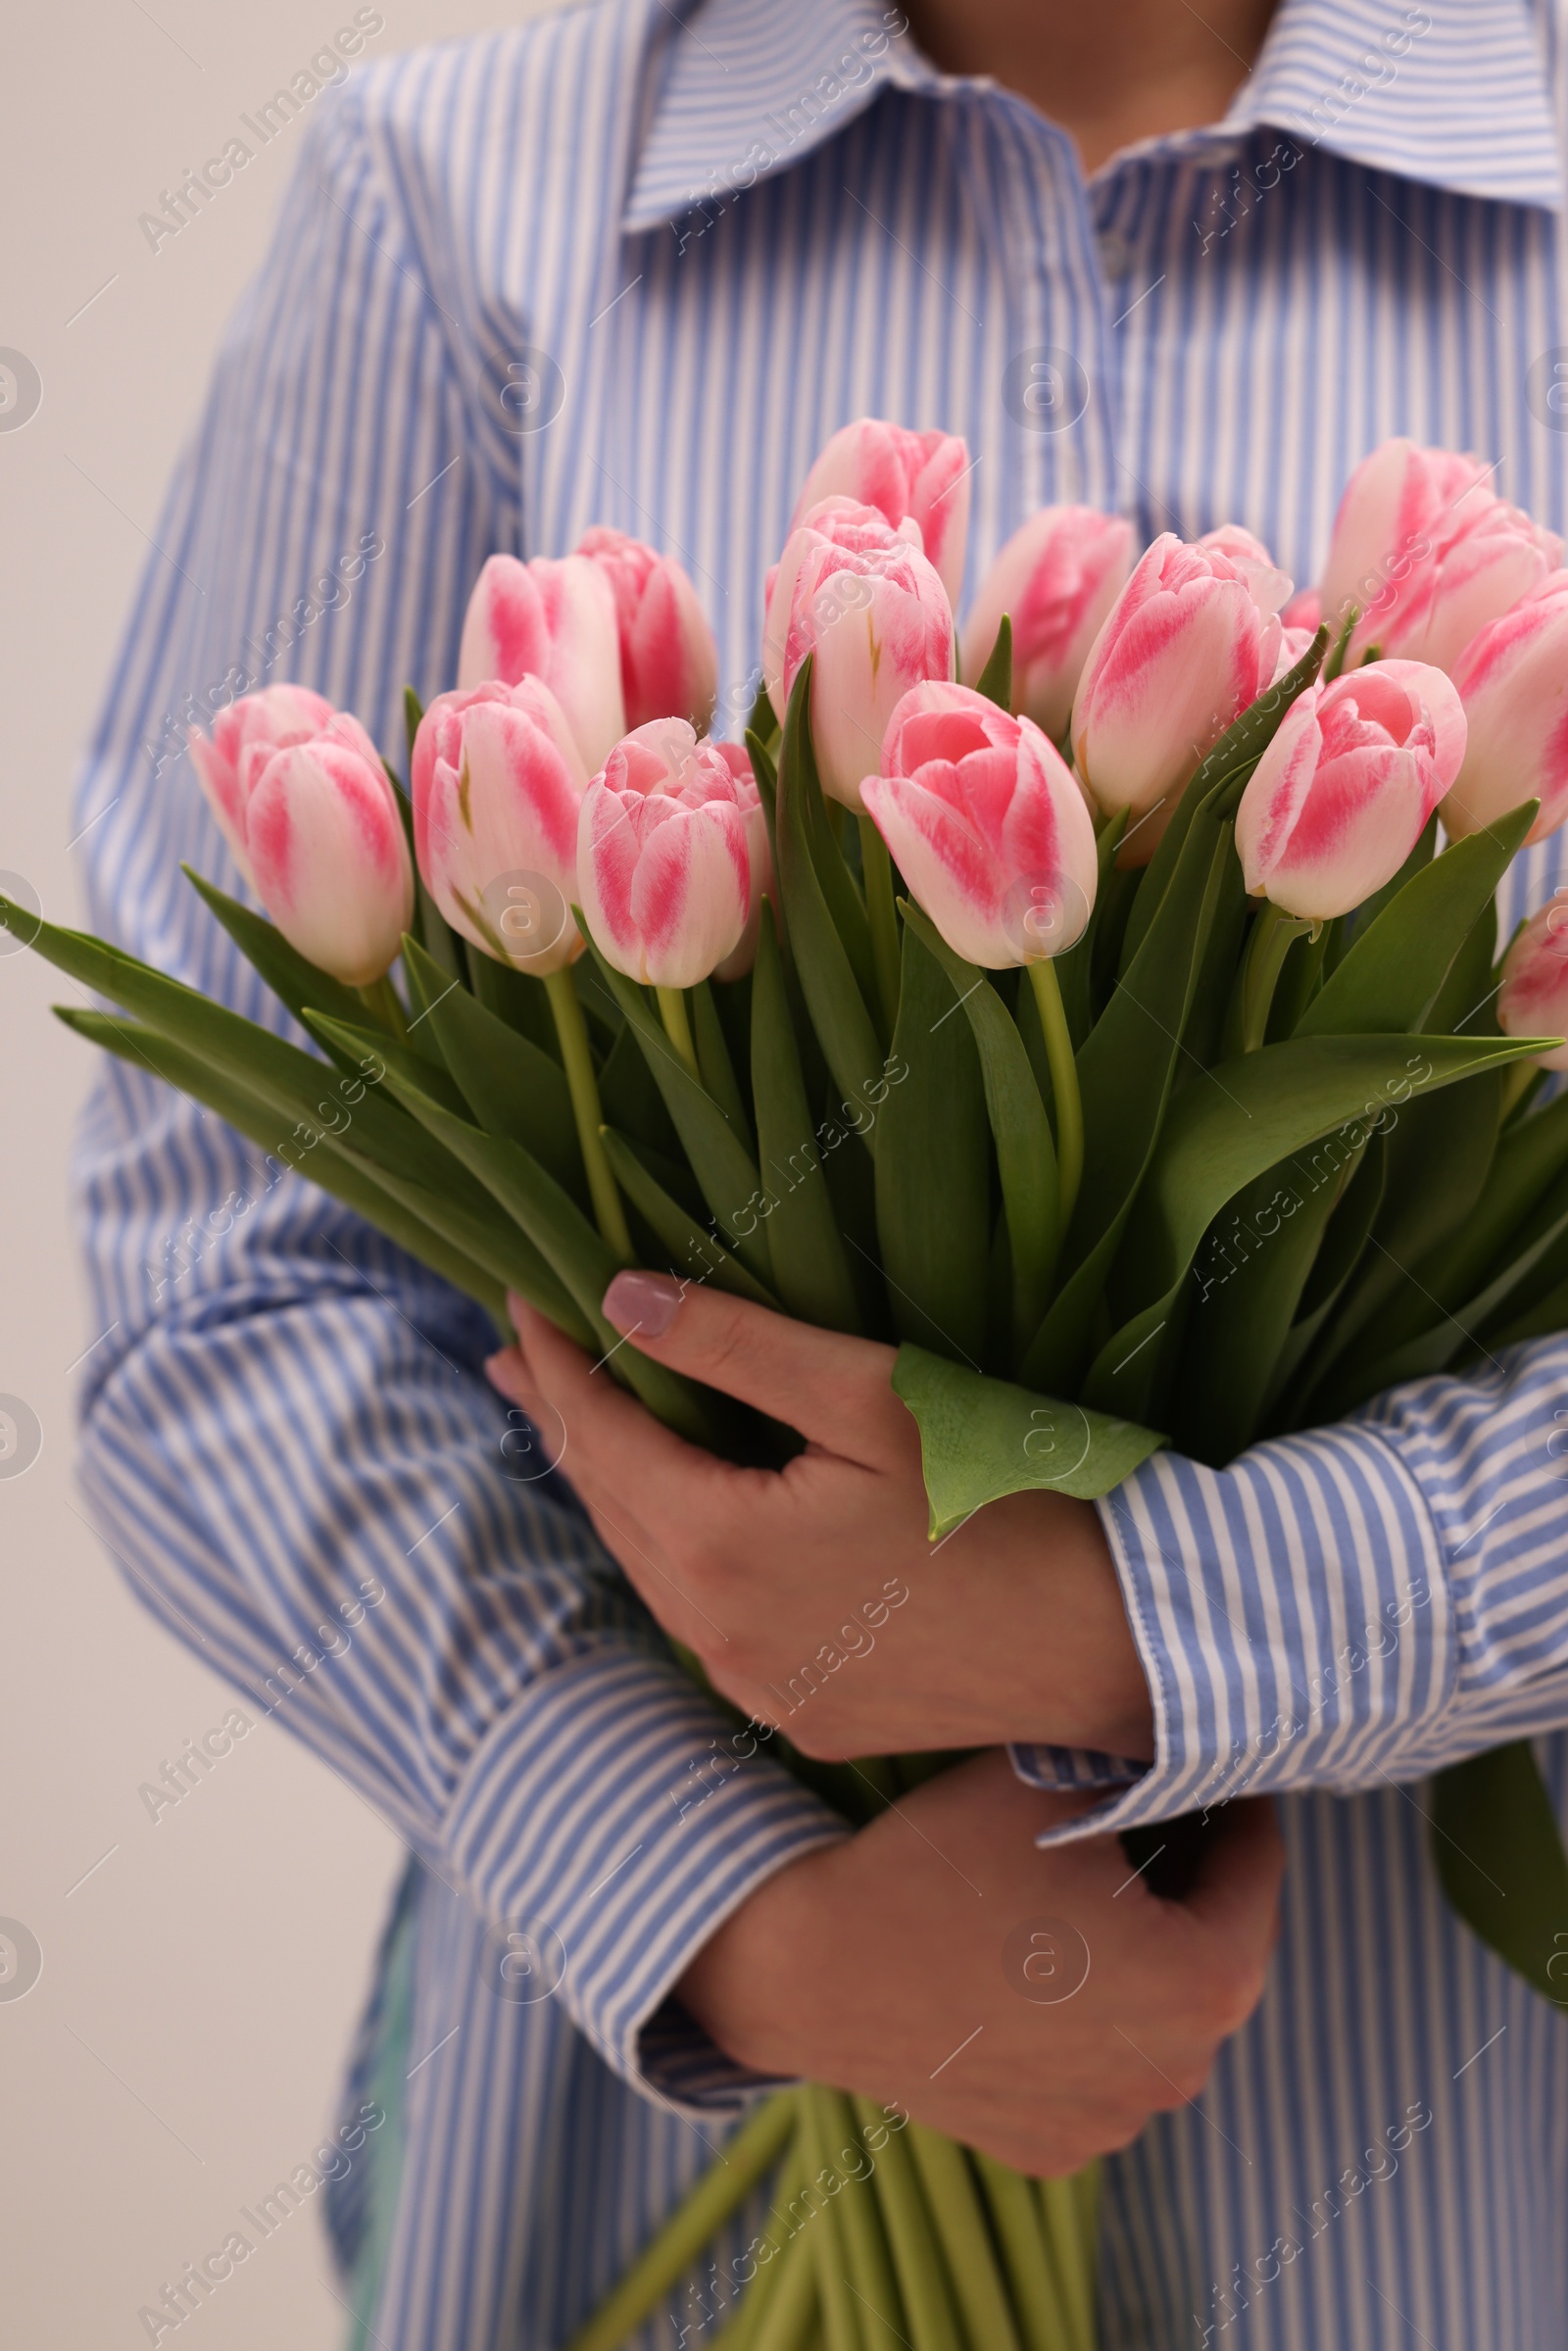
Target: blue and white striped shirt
634, 263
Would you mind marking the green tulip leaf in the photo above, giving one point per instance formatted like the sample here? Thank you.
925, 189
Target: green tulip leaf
1497, 1804
307, 1094
503, 1080
1075, 969
762, 721
811, 1270
1238, 1332
694, 1255
296, 982
1344, 1246
995, 680
1125, 1073
575, 1249
933, 1175
835, 998
1026, 1155
1227, 1129
720, 1161
982, 1439
485, 1257
714, 1064
1390, 975
351, 1042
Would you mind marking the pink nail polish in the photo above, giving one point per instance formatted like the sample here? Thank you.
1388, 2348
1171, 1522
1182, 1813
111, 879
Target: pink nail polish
642, 1301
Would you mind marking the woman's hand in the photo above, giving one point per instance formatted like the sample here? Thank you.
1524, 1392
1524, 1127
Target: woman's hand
811, 1594
1037, 2005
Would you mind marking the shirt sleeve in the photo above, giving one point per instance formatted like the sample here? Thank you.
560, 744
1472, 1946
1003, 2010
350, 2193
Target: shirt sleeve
288, 1440
1355, 1605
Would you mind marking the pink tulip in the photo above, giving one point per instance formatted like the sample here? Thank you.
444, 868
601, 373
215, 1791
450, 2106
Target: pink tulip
1270, 586
988, 826
925, 475
1183, 650
330, 859
498, 782
244, 738
663, 858
1513, 679
554, 622
1293, 643
1429, 553
760, 852
1056, 579
865, 601
1532, 1001
668, 661
1305, 611
665, 755
1338, 798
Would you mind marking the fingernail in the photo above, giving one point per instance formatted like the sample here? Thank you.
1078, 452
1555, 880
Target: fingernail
642, 1301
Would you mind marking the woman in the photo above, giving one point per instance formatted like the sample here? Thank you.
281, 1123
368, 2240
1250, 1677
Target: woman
634, 263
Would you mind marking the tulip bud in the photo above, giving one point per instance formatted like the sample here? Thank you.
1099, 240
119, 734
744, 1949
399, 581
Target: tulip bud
988, 826
1270, 586
244, 738
330, 859
1183, 650
1532, 1001
668, 661
1513, 679
497, 781
1304, 612
1340, 797
759, 852
1428, 553
554, 622
923, 475
865, 601
1056, 579
662, 858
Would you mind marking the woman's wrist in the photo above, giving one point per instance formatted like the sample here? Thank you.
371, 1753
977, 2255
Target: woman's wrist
1063, 1668
744, 1986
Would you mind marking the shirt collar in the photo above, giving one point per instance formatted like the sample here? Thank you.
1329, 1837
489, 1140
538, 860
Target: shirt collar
1453, 94
750, 87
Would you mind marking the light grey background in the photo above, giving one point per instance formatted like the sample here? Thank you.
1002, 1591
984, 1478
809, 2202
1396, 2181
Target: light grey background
181, 2050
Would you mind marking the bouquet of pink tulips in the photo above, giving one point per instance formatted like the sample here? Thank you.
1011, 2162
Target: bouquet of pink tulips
1106, 1028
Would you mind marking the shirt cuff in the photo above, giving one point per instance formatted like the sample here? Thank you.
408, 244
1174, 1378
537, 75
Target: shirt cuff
616, 1819
1293, 1617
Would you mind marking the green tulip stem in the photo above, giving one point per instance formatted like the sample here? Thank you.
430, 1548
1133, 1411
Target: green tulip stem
1069, 2213
790, 2321
1063, 1067
840, 2319
870, 2275
959, 2223
678, 1029
877, 867
384, 1002
1274, 933
753, 2150
578, 1058
911, 2234
1026, 2246
769, 2283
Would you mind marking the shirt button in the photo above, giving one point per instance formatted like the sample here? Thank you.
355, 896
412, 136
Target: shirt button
1116, 256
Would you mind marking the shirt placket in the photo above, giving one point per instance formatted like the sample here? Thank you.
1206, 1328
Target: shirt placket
1056, 398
